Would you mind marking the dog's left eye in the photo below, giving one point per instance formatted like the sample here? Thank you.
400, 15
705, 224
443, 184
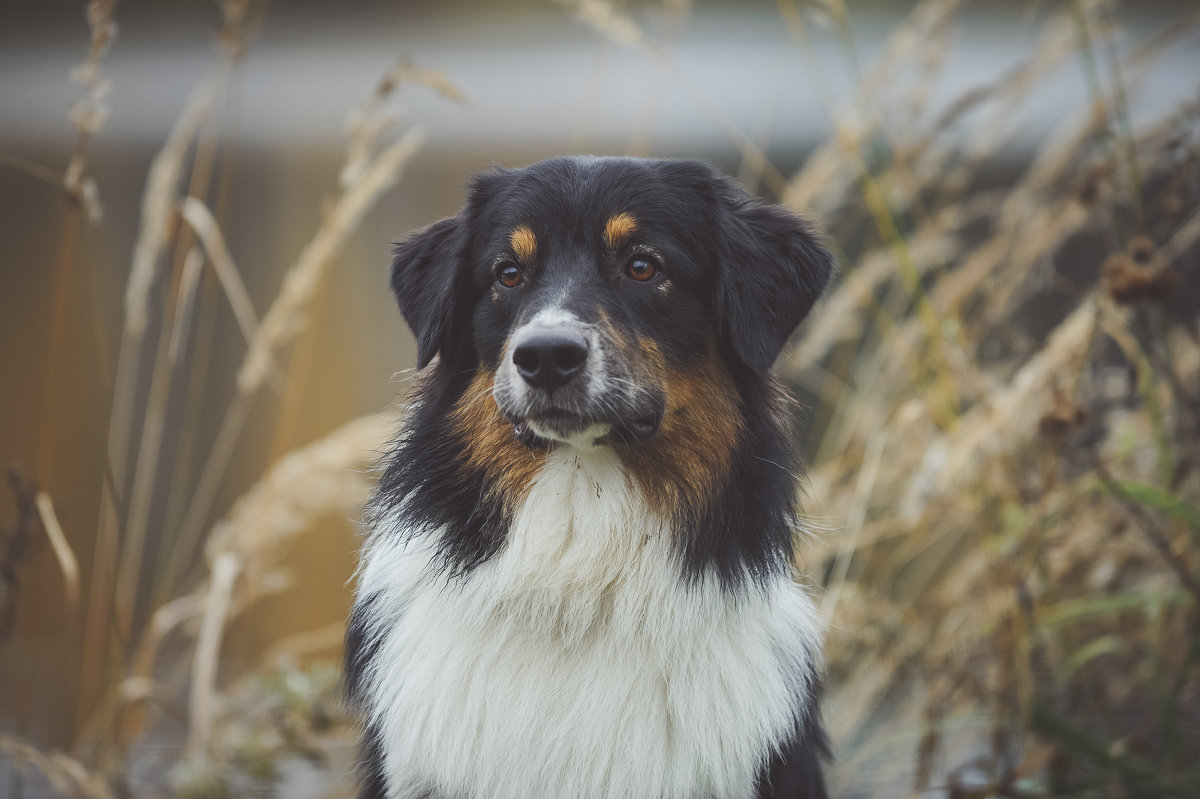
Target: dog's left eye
641, 269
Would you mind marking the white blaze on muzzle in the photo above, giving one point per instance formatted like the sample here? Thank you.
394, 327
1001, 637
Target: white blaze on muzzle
554, 368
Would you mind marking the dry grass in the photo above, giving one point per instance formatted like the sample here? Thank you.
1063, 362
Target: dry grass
1016, 582
135, 629
1006, 459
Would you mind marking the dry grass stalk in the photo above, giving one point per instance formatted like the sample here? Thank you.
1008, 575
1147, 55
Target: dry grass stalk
201, 220
369, 123
146, 473
1183, 240
90, 113
998, 105
191, 529
158, 198
185, 302
157, 220
363, 181
166, 618
67, 564
846, 309
1008, 417
328, 476
88, 116
286, 316
830, 175
1036, 215
283, 319
202, 705
855, 518
282, 322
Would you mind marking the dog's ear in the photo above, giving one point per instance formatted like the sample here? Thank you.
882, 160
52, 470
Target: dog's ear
771, 269
427, 278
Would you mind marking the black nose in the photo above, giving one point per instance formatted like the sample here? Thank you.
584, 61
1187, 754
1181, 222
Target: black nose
551, 358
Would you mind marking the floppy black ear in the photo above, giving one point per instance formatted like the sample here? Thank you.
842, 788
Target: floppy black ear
427, 279
771, 270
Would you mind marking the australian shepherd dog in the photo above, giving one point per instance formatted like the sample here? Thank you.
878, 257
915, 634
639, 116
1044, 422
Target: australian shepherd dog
578, 579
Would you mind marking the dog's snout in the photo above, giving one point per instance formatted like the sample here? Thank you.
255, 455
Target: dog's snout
549, 359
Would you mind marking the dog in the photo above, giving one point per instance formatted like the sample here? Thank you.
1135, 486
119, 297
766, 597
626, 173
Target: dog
578, 574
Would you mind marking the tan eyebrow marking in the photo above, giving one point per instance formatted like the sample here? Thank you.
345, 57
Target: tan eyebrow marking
618, 228
523, 242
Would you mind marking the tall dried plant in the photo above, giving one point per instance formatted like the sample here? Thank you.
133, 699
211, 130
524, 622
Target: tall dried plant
123, 692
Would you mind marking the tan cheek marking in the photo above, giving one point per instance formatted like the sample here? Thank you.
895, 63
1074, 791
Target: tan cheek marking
619, 228
488, 441
524, 243
690, 458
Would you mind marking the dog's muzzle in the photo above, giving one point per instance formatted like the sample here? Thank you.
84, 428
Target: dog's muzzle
562, 380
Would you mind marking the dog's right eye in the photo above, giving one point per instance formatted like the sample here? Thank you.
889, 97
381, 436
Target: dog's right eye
509, 275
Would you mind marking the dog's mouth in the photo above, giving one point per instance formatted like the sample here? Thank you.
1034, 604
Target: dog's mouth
554, 424
635, 431
562, 422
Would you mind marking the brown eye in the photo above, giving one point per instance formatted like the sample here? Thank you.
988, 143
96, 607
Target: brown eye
509, 275
641, 269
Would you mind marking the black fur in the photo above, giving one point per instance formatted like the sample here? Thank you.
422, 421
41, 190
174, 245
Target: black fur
749, 274
372, 784
360, 650
425, 467
360, 647
794, 772
742, 275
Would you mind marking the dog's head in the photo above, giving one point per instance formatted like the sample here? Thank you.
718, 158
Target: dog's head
580, 285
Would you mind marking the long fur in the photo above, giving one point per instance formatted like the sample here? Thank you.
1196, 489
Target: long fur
609, 612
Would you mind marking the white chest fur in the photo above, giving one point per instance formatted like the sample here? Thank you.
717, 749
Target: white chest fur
578, 662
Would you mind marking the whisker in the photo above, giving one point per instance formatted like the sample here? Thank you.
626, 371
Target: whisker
631, 384
779, 466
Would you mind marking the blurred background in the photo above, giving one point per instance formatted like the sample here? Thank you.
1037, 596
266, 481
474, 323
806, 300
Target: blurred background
1001, 394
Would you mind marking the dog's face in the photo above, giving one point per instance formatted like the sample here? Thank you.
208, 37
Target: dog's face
593, 294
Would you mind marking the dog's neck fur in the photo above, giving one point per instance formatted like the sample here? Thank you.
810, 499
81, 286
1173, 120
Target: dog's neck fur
582, 643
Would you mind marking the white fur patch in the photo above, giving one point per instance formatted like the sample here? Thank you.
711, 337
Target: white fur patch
596, 373
578, 662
